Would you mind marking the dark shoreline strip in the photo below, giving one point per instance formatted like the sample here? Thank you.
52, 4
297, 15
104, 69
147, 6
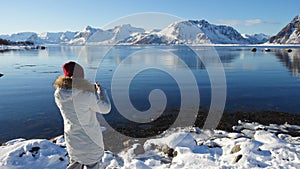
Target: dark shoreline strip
227, 122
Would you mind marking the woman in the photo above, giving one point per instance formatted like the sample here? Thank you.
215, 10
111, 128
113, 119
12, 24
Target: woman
78, 101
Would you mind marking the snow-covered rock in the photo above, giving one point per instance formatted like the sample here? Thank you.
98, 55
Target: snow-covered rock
290, 34
36, 153
270, 147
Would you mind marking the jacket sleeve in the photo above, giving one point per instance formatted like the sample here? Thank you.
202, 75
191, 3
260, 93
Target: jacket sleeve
101, 102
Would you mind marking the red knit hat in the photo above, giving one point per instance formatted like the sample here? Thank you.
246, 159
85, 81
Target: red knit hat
73, 69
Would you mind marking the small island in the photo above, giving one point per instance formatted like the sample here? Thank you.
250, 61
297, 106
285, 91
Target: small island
7, 45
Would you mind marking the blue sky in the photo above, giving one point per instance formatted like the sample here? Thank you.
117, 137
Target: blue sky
255, 16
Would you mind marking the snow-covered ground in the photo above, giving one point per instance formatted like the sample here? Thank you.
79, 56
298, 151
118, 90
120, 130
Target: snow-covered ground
251, 145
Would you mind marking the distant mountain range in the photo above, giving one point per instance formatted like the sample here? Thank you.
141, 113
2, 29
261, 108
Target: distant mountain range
190, 32
181, 32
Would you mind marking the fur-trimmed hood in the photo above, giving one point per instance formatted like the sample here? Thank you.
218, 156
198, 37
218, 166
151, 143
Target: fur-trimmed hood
66, 82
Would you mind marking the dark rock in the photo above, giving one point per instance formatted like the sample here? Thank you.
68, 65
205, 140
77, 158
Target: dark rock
237, 158
21, 155
61, 159
34, 149
1, 74
287, 50
175, 153
53, 140
4, 50
253, 49
169, 151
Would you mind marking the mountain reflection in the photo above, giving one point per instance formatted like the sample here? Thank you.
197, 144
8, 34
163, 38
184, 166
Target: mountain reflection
290, 60
175, 57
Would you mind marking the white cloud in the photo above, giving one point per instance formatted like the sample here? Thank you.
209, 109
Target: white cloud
250, 22
253, 22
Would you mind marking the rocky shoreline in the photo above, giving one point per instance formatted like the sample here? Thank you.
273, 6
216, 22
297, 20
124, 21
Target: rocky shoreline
266, 118
143, 132
228, 120
247, 145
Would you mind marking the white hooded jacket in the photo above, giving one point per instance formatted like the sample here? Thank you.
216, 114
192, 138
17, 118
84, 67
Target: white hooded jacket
78, 106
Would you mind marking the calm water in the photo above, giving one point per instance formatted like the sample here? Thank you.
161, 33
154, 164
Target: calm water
255, 81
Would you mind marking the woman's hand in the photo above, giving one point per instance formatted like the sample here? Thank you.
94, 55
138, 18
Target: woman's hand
97, 86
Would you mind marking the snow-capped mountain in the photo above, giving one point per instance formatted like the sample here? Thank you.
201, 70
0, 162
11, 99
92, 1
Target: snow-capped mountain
43, 38
290, 34
220, 34
111, 36
183, 32
144, 38
57, 38
98, 36
124, 31
22, 36
191, 32
256, 38
82, 36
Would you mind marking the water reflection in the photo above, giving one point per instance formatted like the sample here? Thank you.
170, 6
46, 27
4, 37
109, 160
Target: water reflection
164, 56
103, 58
227, 55
91, 56
290, 60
